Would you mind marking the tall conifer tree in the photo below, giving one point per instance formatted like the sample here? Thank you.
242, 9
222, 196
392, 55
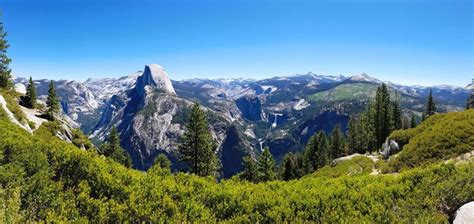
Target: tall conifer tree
198, 146
337, 142
430, 106
266, 166
353, 136
30, 98
368, 135
52, 101
396, 116
249, 172
5, 71
316, 152
114, 150
289, 167
382, 114
412, 121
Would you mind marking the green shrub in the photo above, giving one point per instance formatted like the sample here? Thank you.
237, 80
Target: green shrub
31, 124
355, 166
80, 140
46, 179
440, 137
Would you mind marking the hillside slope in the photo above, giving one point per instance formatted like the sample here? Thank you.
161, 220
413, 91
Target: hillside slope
44, 178
440, 137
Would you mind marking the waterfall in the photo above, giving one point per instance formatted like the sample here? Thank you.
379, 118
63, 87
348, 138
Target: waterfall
261, 144
275, 120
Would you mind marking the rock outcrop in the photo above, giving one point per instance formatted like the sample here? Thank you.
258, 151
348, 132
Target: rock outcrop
250, 107
389, 148
465, 214
155, 76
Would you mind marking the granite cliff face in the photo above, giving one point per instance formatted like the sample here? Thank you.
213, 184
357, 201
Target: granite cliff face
250, 107
151, 119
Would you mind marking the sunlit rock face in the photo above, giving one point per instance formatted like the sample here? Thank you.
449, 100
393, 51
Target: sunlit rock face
154, 75
465, 214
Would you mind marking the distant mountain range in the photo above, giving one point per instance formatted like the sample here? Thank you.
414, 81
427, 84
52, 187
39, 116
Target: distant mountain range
150, 110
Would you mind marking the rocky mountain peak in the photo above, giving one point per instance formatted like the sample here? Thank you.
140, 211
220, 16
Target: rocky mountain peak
154, 75
363, 78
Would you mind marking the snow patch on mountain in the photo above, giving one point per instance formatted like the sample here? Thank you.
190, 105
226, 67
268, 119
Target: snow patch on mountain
105, 88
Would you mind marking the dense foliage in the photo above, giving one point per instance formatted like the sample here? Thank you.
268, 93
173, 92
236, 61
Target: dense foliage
440, 137
43, 178
316, 153
368, 131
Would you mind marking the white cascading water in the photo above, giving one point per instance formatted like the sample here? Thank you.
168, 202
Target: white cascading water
275, 120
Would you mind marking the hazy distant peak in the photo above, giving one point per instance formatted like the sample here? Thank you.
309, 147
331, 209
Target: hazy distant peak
363, 78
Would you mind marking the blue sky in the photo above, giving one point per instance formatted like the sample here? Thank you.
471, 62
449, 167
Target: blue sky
406, 41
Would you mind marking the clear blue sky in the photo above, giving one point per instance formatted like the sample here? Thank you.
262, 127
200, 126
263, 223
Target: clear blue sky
405, 41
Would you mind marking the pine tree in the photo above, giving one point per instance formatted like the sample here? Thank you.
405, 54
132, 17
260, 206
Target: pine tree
337, 142
52, 101
310, 155
316, 152
324, 149
368, 137
412, 121
249, 172
382, 114
113, 149
396, 116
292, 166
430, 106
30, 98
5, 71
198, 146
266, 166
289, 167
353, 136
